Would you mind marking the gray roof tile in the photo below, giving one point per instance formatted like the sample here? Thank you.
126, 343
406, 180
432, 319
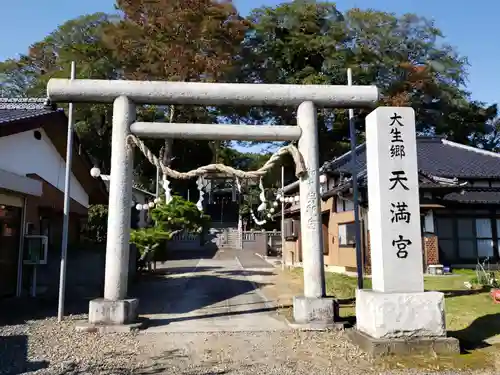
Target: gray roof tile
438, 157
16, 109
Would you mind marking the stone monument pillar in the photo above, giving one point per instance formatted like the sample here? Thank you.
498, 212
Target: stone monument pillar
396, 315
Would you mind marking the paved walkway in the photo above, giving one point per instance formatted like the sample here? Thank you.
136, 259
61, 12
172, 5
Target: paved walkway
210, 295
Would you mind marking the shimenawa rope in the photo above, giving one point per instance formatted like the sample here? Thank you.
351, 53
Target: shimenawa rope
300, 168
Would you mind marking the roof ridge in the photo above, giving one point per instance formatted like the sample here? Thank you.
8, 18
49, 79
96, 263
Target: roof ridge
338, 160
26, 103
482, 188
470, 148
346, 155
430, 138
107, 177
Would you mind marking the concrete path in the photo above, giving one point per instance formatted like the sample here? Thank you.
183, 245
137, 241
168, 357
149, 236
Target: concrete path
210, 295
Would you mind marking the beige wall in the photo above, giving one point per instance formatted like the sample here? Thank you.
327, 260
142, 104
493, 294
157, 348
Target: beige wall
345, 257
328, 204
336, 256
339, 255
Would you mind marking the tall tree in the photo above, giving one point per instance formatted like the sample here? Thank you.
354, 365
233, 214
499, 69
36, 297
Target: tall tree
195, 40
177, 40
82, 40
309, 42
410, 61
294, 42
78, 40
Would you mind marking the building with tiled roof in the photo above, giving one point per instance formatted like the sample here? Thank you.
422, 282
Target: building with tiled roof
459, 205
33, 136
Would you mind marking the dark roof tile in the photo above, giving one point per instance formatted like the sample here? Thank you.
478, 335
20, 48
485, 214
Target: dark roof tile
436, 156
16, 109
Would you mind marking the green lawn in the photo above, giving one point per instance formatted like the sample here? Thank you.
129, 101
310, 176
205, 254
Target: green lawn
471, 315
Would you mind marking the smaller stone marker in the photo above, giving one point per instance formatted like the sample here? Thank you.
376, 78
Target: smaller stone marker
397, 315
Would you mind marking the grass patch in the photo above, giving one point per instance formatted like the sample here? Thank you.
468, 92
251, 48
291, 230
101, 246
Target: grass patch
476, 360
471, 316
343, 286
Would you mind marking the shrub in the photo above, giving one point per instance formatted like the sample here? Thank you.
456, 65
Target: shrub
97, 224
169, 219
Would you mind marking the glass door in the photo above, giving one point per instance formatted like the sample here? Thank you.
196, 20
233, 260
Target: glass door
10, 230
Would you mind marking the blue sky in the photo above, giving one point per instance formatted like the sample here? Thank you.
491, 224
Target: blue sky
472, 30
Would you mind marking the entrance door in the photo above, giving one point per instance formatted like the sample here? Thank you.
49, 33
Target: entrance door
10, 230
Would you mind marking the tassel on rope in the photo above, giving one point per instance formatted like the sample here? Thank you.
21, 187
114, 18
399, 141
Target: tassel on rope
238, 189
168, 194
262, 197
199, 184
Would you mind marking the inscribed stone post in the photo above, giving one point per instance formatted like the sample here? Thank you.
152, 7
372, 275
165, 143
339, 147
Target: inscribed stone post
310, 221
393, 196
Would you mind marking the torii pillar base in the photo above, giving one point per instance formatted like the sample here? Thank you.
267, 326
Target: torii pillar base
106, 316
316, 314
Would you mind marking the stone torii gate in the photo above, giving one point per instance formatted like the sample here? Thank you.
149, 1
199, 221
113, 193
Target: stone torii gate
115, 308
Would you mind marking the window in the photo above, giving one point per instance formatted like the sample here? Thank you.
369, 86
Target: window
291, 228
484, 238
339, 205
466, 238
465, 234
347, 234
445, 227
446, 243
342, 205
348, 205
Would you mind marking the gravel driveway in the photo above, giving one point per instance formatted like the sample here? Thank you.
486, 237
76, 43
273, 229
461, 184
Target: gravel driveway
58, 349
210, 295
39, 345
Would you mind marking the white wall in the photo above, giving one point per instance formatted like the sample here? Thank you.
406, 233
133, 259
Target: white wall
21, 153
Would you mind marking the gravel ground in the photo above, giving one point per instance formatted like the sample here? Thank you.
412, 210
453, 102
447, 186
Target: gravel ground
46, 347
32, 342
